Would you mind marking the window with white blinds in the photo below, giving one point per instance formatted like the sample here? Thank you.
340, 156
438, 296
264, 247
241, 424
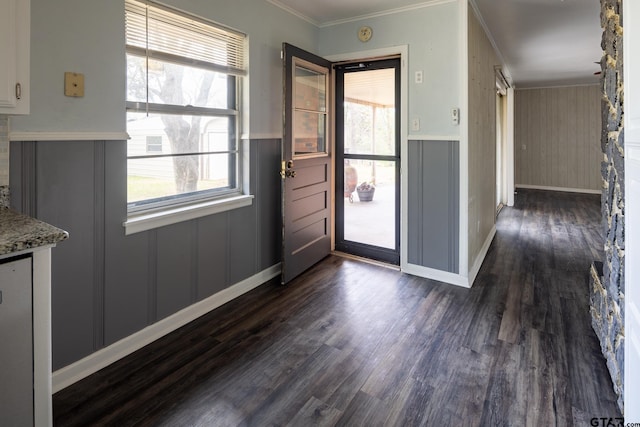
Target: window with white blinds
183, 75
158, 32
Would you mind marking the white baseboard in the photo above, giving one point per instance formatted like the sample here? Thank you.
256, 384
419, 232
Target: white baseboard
453, 278
433, 274
562, 189
475, 268
73, 373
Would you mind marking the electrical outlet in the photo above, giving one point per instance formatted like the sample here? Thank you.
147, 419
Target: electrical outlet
415, 124
418, 77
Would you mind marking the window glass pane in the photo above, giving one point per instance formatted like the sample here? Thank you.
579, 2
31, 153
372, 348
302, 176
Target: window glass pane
158, 167
310, 90
159, 178
176, 84
216, 135
309, 131
184, 146
136, 79
177, 134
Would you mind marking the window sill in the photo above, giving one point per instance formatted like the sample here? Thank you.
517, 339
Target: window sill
148, 221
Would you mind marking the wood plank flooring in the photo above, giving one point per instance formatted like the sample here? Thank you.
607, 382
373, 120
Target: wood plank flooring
349, 343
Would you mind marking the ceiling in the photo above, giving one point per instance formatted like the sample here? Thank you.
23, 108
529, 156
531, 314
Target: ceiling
542, 42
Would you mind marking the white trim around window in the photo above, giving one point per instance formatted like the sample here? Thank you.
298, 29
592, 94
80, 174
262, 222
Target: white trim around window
149, 220
163, 43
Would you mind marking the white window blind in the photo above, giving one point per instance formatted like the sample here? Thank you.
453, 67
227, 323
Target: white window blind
155, 32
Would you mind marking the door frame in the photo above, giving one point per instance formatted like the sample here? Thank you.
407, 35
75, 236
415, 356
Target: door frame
503, 181
373, 54
510, 186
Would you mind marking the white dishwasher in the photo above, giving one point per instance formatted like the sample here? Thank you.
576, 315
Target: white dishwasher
16, 342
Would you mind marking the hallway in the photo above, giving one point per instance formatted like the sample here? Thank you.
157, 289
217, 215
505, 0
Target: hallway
349, 343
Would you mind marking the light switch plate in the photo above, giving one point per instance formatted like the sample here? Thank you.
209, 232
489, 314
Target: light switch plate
455, 116
74, 84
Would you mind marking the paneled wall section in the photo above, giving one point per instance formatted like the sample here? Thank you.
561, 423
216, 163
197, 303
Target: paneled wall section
482, 138
105, 285
433, 204
557, 137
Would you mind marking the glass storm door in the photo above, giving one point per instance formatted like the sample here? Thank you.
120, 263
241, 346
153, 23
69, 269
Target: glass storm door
368, 159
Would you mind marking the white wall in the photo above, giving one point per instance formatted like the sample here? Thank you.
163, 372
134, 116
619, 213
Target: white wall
87, 36
84, 37
432, 34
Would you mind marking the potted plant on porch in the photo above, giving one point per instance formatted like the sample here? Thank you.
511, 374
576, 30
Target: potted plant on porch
366, 191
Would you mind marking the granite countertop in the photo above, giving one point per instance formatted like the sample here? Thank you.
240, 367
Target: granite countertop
19, 232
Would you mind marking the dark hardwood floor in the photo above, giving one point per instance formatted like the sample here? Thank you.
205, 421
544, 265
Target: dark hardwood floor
349, 343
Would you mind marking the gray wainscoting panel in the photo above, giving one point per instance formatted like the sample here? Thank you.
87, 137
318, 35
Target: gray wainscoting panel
65, 198
242, 243
22, 158
107, 286
433, 205
213, 256
174, 268
126, 294
268, 196
99, 176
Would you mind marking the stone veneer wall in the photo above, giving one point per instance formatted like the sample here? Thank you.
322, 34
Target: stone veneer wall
4, 161
607, 295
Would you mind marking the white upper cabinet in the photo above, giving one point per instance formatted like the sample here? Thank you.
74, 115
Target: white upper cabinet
15, 23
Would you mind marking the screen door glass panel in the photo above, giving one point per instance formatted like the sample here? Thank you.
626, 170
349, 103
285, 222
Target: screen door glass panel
372, 222
369, 112
310, 111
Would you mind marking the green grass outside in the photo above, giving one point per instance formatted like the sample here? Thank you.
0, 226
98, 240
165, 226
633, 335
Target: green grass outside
142, 188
